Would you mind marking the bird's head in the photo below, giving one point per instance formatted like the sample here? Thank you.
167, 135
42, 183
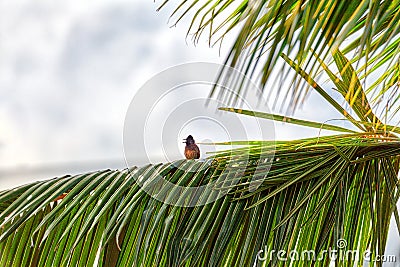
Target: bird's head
188, 140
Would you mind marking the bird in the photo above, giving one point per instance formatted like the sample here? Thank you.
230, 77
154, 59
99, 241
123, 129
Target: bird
192, 151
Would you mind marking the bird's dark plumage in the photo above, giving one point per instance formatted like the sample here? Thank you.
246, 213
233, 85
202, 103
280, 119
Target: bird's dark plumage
192, 151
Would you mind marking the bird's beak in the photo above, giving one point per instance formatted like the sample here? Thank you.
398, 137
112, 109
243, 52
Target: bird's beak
184, 140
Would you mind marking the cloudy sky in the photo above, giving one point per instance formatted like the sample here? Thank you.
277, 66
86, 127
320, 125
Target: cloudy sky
68, 71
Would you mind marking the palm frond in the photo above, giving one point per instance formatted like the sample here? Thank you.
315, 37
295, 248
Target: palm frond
314, 193
318, 191
367, 31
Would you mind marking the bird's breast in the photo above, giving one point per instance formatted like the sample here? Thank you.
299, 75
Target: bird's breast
192, 151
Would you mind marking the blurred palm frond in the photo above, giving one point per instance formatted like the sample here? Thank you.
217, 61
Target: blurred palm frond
366, 31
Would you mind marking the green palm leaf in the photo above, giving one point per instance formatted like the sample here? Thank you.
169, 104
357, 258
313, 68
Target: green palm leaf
310, 186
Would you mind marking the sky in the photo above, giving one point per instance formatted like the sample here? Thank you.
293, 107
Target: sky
70, 69
68, 72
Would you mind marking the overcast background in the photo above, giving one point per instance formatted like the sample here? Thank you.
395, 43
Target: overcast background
68, 71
